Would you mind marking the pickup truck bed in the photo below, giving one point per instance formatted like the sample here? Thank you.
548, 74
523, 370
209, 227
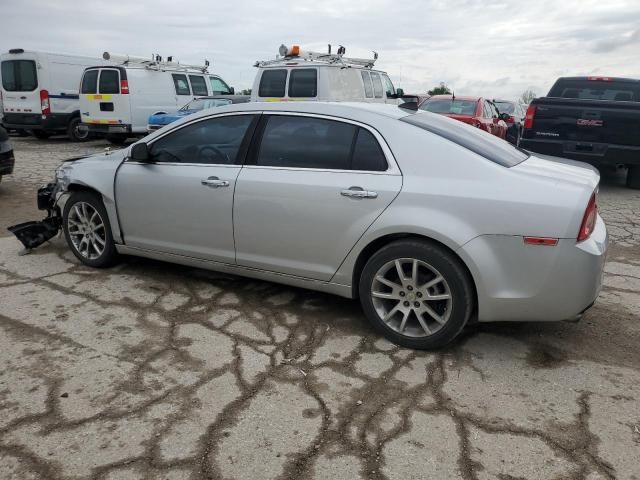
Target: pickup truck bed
601, 126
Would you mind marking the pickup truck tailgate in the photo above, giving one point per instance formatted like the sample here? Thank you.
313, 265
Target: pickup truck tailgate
589, 121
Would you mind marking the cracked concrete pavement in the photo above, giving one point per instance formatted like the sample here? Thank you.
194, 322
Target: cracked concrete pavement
155, 371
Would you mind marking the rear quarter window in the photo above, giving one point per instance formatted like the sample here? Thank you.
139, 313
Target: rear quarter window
272, 83
488, 146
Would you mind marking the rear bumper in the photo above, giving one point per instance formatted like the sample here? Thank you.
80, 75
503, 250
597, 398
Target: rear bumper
34, 121
518, 282
593, 153
108, 129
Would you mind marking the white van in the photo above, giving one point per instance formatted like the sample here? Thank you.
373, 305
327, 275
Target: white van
40, 92
297, 75
117, 100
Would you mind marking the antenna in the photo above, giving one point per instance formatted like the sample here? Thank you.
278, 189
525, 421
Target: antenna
329, 49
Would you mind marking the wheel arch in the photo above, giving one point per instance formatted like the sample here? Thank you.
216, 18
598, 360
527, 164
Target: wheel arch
77, 186
372, 247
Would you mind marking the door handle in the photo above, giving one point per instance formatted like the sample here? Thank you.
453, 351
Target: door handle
215, 182
358, 192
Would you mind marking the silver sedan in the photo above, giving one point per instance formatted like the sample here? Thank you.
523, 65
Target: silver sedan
430, 223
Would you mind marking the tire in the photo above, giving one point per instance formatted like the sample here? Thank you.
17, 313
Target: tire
633, 177
98, 244
432, 261
75, 132
40, 134
117, 139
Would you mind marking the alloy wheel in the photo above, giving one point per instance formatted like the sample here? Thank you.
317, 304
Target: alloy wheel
411, 297
86, 230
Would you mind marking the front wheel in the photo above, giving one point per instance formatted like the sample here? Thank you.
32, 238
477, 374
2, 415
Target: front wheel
633, 177
76, 131
87, 230
417, 294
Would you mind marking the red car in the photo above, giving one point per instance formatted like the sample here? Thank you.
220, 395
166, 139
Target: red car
476, 111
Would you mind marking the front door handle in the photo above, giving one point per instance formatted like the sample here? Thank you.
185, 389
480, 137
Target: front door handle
215, 182
358, 192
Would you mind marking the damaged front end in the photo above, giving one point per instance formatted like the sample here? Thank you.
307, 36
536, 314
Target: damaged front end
33, 234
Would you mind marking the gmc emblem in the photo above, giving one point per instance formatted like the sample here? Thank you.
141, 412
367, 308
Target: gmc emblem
583, 122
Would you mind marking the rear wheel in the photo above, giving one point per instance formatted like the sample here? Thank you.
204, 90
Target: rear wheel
76, 131
416, 294
40, 134
633, 177
117, 139
87, 230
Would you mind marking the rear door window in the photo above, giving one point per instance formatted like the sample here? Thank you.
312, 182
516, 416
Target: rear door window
584, 89
109, 81
90, 82
198, 85
377, 84
306, 142
272, 83
19, 75
303, 82
366, 80
180, 82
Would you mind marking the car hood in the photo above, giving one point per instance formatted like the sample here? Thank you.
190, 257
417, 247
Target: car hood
167, 118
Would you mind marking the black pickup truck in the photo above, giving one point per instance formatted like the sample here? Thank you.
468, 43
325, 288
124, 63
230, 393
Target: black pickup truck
591, 119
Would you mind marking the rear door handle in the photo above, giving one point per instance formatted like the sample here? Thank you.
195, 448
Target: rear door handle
215, 182
358, 192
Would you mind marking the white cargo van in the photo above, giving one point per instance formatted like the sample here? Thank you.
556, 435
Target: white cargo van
40, 92
117, 100
297, 75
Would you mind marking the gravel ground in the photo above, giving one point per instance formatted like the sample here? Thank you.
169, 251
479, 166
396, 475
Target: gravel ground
155, 371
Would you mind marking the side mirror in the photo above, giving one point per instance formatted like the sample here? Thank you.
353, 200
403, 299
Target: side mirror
140, 152
399, 92
232, 91
504, 116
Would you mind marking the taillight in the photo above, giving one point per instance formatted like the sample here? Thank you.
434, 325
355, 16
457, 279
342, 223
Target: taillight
124, 86
589, 219
528, 118
44, 102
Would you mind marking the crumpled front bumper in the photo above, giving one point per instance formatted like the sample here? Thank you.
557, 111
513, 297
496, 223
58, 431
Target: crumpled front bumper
34, 233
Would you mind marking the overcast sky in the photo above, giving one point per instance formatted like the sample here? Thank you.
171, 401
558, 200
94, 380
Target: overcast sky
494, 48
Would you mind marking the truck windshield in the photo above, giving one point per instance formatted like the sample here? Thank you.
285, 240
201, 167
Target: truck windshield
19, 75
585, 89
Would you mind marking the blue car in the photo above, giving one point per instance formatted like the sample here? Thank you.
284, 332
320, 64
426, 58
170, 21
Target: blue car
159, 120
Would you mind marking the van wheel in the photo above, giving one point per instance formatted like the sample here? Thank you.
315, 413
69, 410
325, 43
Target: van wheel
88, 231
40, 134
633, 177
117, 139
76, 131
416, 294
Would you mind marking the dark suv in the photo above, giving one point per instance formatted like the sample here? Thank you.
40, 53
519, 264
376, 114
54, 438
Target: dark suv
6, 154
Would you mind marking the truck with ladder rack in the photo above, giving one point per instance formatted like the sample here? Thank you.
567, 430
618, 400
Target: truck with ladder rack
117, 99
299, 75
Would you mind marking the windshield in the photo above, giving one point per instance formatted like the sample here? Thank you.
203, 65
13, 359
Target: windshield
203, 103
446, 105
19, 75
505, 107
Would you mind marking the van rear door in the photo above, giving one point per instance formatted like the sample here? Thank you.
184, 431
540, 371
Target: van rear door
104, 98
20, 85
